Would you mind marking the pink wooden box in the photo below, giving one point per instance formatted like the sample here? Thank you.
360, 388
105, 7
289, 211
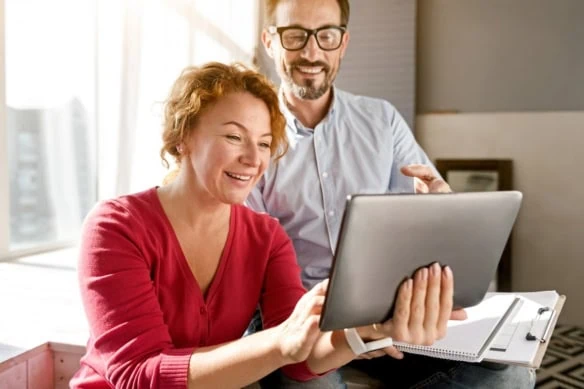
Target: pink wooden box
48, 366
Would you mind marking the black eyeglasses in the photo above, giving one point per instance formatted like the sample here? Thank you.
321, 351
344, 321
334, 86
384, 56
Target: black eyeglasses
295, 38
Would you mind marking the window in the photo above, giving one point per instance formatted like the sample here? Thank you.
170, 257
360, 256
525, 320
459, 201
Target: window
48, 126
81, 87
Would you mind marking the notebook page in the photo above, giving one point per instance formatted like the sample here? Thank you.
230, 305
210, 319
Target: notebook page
468, 339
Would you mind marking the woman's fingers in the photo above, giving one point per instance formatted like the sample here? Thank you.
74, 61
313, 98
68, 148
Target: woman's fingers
312, 307
311, 328
372, 354
393, 352
433, 300
423, 307
418, 307
397, 327
311, 299
323, 286
446, 294
300, 331
319, 289
459, 314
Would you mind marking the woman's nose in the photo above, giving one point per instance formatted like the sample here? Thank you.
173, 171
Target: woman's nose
251, 156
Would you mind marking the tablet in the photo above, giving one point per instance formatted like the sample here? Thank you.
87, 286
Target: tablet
384, 238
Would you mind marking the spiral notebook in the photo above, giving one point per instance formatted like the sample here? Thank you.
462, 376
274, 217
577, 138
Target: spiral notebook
469, 340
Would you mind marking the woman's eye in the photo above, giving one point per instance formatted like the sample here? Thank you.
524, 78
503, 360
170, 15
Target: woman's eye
265, 145
233, 137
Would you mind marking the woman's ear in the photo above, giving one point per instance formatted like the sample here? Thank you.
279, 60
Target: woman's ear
182, 149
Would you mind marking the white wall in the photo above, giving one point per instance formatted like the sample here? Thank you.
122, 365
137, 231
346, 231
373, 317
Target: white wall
381, 58
500, 55
546, 149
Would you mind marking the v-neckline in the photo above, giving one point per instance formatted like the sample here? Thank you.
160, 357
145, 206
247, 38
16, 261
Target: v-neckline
183, 263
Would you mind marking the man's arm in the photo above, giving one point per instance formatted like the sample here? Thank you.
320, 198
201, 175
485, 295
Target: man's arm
410, 161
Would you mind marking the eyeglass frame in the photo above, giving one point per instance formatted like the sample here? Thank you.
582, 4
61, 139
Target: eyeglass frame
310, 32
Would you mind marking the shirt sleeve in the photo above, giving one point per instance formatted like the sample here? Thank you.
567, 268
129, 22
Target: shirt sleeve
255, 199
281, 291
406, 151
130, 338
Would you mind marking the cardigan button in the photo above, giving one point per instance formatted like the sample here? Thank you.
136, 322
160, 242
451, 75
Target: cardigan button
203, 310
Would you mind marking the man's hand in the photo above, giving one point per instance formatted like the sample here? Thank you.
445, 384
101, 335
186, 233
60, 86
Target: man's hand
425, 180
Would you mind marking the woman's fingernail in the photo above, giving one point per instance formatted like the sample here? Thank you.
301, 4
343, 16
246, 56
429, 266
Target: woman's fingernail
447, 272
432, 269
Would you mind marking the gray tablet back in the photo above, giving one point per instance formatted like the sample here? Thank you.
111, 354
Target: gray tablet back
385, 238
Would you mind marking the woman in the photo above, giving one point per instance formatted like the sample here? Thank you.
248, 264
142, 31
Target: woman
171, 277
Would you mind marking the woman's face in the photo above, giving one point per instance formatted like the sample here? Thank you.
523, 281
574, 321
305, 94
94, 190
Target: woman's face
229, 148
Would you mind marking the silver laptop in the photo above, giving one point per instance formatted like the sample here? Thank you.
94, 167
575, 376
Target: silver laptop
384, 238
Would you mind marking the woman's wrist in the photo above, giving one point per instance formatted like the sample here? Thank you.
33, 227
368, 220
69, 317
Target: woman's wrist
363, 332
360, 346
368, 333
277, 349
355, 341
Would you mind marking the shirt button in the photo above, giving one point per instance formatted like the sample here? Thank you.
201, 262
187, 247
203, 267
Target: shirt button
203, 310
331, 213
325, 175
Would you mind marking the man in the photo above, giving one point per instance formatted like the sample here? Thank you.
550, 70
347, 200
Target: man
342, 144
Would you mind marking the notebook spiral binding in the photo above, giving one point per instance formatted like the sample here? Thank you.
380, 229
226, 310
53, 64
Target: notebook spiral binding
437, 352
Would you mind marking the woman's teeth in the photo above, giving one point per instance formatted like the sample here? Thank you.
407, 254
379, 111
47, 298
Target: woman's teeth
239, 177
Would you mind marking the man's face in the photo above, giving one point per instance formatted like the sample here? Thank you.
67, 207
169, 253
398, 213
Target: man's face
310, 72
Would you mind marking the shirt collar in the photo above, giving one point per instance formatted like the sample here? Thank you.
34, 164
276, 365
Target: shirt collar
294, 123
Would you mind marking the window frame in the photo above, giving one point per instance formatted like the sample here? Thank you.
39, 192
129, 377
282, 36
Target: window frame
4, 180
5, 252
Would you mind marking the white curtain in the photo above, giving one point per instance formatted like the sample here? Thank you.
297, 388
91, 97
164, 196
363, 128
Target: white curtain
142, 47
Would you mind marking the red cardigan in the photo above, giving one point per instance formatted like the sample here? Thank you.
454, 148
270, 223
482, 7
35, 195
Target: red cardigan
145, 309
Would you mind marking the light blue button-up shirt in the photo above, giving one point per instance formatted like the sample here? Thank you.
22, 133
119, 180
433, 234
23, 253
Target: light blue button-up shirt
358, 147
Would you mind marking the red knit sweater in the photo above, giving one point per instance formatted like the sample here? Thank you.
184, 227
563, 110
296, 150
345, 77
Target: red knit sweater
145, 309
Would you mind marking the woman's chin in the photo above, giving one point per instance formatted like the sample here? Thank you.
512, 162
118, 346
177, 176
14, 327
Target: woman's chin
234, 198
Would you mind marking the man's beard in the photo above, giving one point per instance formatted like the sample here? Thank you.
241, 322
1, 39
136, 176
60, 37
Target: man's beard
309, 91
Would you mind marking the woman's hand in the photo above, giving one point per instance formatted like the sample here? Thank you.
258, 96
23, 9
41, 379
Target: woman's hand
423, 308
298, 334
